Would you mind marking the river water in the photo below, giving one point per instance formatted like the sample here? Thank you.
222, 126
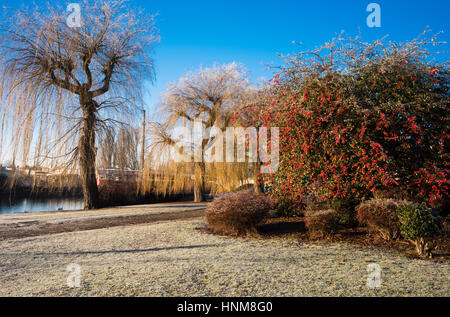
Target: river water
27, 205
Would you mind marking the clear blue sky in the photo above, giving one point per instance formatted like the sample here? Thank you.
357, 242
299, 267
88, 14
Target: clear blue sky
201, 32
198, 33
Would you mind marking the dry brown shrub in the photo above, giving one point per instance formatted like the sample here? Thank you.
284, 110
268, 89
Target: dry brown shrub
237, 214
321, 223
380, 217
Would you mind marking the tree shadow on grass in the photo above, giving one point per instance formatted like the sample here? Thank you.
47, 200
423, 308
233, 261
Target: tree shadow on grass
282, 226
132, 251
198, 205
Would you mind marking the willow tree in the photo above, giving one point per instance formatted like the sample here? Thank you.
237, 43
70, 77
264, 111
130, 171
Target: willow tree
63, 84
200, 105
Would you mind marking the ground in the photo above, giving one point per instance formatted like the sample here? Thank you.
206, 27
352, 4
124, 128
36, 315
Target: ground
175, 257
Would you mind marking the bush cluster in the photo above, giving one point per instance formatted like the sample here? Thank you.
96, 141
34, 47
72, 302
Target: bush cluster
112, 195
392, 219
359, 121
237, 213
389, 218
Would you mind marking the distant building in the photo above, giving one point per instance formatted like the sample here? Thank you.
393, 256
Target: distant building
117, 181
117, 175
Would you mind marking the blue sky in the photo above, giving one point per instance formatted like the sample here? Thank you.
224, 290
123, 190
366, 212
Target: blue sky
201, 32
198, 33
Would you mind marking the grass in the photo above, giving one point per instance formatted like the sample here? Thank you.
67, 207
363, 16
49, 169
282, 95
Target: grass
175, 259
294, 229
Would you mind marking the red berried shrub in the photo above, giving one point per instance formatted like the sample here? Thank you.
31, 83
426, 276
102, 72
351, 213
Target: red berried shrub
237, 213
361, 117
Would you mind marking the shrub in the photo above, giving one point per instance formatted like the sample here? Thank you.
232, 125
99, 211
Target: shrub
237, 213
287, 209
321, 223
420, 226
346, 211
374, 120
380, 217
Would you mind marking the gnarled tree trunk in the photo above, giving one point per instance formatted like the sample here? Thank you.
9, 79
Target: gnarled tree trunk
88, 152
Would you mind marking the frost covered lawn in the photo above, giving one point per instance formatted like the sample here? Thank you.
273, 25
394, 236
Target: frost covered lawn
176, 259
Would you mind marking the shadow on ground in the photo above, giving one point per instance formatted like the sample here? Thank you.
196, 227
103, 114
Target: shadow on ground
103, 252
281, 227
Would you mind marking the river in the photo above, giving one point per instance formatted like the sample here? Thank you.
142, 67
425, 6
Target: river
27, 205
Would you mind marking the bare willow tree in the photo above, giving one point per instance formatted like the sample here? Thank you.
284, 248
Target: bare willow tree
62, 86
204, 100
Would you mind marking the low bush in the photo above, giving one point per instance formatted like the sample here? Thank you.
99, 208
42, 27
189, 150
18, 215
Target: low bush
321, 223
346, 211
380, 217
237, 213
287, 209
419, 225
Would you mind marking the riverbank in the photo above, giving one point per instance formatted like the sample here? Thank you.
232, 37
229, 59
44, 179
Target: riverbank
176, 258
25, 200
22, 198
46, 223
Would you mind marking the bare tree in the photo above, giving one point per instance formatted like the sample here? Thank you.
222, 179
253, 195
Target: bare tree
107, 150
127, 154
62, 86
207, 98
119, 149
248, 115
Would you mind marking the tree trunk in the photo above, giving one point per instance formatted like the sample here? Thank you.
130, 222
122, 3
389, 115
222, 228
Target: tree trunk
87, 152
199, 183
258, 186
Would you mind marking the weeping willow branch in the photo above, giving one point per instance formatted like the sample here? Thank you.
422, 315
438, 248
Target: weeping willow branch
52, 75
